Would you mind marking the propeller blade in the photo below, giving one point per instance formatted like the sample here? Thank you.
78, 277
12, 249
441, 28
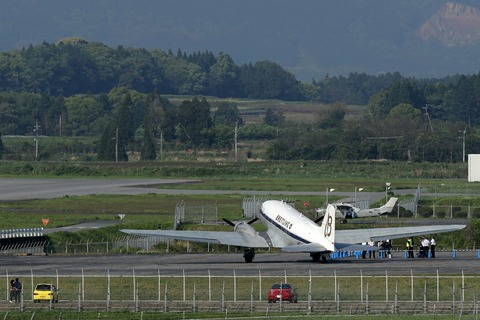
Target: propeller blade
252, 221
318, 220
229, 222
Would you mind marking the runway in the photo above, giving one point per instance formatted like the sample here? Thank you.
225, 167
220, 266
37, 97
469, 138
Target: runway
276, 264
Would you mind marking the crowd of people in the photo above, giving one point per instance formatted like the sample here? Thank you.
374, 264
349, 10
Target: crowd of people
424, 247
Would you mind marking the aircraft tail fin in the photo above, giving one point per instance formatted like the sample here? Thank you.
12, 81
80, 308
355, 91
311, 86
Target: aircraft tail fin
327, 228
388, 207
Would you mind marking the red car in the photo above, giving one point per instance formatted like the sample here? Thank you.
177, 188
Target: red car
284, 292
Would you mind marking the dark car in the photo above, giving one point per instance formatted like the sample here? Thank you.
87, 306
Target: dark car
284, 292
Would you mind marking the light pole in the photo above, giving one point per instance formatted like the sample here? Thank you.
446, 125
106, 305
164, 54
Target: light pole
463, 144
326, 195
387, 187
359, 190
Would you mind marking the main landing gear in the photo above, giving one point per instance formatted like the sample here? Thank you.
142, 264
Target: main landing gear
318, 257
249, 254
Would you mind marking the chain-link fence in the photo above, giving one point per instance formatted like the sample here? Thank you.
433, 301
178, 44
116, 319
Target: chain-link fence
202, 213
331, 294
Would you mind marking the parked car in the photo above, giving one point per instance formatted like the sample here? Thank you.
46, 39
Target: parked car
45, 292
284, 292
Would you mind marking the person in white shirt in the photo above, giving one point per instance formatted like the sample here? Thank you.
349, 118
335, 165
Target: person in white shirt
425, 246
371, 252
433, 243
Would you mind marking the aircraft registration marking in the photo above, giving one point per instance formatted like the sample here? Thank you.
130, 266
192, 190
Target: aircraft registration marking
328, 226
284, 222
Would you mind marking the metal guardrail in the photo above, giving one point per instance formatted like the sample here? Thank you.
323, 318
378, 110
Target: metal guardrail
21, 233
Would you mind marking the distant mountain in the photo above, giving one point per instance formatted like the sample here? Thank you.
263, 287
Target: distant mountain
428, 38
453, 25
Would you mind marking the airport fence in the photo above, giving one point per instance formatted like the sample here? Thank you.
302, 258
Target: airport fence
325, 294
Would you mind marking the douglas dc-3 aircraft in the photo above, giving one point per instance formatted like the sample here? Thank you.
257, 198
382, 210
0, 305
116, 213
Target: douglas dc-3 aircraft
347, 211
291, 231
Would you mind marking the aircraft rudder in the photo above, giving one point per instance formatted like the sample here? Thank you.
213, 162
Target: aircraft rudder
328, 224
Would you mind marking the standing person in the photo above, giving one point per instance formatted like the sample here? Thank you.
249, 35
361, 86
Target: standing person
388, 248
433, 243
364, 252
425, 246
371, 252
410, 247
12, 290
18, 290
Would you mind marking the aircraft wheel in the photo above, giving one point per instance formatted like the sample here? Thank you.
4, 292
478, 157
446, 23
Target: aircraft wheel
315, 257
343, 221
323, 259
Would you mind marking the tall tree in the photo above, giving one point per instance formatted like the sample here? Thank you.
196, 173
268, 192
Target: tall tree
274, 118
194, 122
224, 75
148, 147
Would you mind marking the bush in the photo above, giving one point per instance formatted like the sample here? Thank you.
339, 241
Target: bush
476, 213
404, 213
425, 212
459, 214
440, 214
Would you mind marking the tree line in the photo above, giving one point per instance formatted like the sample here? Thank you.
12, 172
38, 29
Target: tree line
74, 66
75, 88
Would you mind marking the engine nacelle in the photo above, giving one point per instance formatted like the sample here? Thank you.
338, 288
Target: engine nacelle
245, 228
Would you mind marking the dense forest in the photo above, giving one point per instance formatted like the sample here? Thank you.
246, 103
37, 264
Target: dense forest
81, 89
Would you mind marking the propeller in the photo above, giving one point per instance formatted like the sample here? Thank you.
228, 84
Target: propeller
233, 224
229, 222
318, 220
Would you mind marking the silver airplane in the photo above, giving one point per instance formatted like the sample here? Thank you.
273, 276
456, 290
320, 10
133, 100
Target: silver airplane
291, 231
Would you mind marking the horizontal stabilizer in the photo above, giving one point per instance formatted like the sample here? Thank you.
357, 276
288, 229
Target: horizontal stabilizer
355, 247
309, 247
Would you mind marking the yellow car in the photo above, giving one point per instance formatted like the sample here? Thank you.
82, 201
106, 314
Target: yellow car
45, 292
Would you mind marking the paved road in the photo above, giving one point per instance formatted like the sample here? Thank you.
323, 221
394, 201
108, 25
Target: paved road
45, 188
226, 264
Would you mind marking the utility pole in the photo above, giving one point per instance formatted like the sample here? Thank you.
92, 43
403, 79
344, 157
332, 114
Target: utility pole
116, 145
236, 141
463, 144
36, 129
428, 117
161, 145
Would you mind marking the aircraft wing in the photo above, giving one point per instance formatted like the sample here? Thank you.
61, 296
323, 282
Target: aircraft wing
221, 237
349, 237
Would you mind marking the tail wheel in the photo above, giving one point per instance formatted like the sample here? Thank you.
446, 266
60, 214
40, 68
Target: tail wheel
249, 254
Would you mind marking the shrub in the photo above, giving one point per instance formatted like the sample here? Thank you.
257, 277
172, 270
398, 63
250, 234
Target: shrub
440, 214
425, 211
459, 214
